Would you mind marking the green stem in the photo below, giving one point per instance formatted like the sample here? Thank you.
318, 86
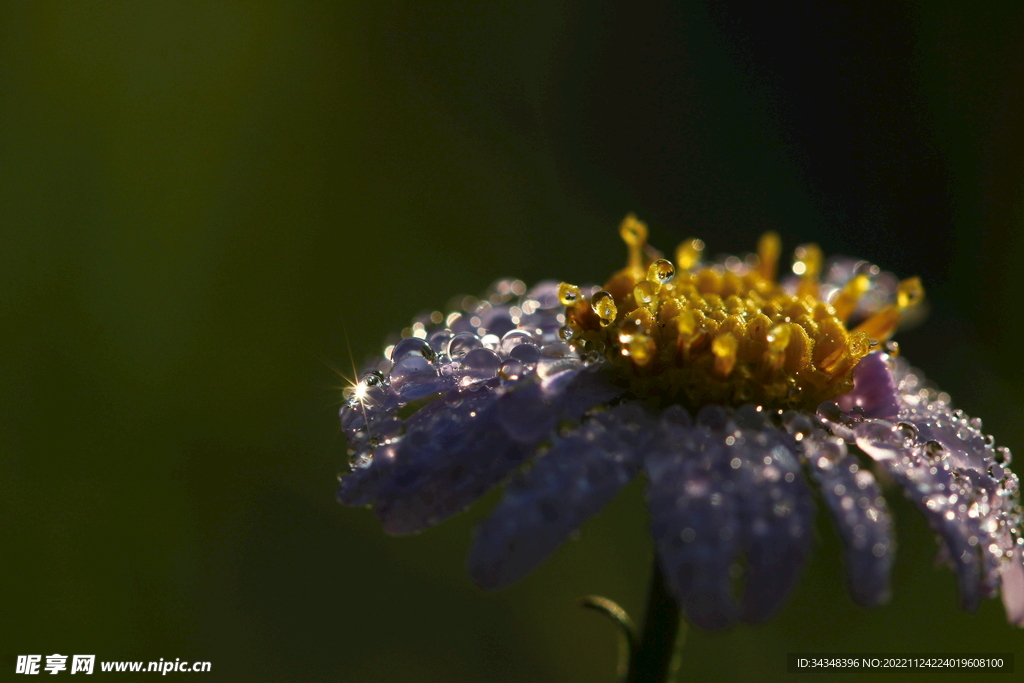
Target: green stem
656, 658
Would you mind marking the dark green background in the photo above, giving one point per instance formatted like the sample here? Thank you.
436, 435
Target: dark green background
204, 205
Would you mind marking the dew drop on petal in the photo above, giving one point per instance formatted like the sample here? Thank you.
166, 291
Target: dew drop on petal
439, 340
514, 338
411, 370
463, 343
480, 364
413, 346
512, 369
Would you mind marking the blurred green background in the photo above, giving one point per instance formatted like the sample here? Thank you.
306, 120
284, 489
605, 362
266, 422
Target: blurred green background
209, 209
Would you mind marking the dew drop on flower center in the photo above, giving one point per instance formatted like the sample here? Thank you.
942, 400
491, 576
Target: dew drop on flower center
727, 333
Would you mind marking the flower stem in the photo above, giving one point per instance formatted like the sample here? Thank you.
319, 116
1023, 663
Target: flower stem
657, 657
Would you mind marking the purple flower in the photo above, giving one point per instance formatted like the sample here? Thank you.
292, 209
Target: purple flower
734, 395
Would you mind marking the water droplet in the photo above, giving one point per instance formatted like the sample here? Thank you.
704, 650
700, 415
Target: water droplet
644, 293
1003, 455
565, 333
463, 343
935, 450
514, 338
661, 271
410, 371
556, 350
373, 379
604, 305
412, 346
907, 432
480, 364
439, 340
491, 341
527, 353
798, 424
568, 294
512, 369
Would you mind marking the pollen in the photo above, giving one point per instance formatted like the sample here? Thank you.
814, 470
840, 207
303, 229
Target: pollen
697, 333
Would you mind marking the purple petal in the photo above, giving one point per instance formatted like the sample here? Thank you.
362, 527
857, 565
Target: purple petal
362, 485
874, 390
450, 456
718, 490
777, 517
695, 538
1013, 588
858, 509
943, 496
530, 411
567, 486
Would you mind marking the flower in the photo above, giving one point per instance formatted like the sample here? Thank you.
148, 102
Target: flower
734, 394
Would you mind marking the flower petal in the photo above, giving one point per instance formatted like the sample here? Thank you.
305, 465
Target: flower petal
696, 539
777, 515
718, 490
991, 504
874, 390
565, 487
942, 494
454, 451
363, 484
858, 509
472, 439
1013, 589
531, 410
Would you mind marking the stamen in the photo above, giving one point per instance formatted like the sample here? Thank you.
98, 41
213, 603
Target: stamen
778, 339
604, 305
634, 234
568, 294
694, 334
724, 347
883, 324
807, 266
768, 249
688, 253
846, 301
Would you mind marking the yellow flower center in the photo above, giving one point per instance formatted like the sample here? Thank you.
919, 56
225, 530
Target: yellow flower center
728, 334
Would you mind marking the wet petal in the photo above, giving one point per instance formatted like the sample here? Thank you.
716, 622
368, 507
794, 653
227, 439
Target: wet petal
777, 517
858, 509
941, 493
363, 484
565, 487
694, 537
450, 456
530, 412
874, 390
1013, 588
716, 491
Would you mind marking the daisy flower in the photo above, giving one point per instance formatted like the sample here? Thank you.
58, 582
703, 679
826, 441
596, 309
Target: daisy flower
742, 399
